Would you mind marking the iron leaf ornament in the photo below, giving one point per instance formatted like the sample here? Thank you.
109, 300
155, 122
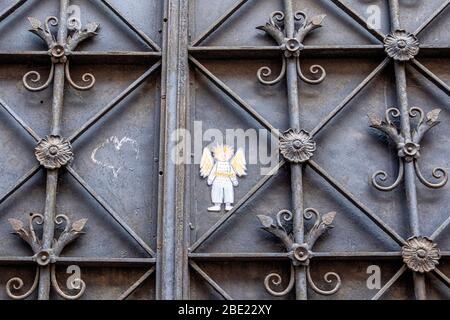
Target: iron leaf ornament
44, 257
408, 149
59, 51
299, 253
291, 46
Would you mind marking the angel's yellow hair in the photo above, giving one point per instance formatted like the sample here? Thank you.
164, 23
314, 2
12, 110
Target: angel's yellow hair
223, 152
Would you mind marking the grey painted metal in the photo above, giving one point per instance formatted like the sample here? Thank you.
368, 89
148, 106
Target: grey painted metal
46, 277
172, 256
175, 71
253, 52
410, 184
296, 169
52, 174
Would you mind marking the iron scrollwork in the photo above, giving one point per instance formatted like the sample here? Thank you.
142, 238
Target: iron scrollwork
291, 46
408, 149
44, 257
299, 253
59, 52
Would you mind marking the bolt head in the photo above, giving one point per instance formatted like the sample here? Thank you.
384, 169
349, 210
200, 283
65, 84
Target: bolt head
57, 51
301, 253
293, 45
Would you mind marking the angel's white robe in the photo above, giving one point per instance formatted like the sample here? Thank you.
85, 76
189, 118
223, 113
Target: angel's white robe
222, 177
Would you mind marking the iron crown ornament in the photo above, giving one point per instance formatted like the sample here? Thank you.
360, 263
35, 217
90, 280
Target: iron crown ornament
299, 253
421, 254
401, 45
44, 257
59, 51
408, 149
297, 145
53, 152
291, 45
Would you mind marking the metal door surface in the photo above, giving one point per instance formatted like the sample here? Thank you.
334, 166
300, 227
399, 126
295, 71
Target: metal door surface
109, 108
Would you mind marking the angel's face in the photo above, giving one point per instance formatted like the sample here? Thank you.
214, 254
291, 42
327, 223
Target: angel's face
223, 153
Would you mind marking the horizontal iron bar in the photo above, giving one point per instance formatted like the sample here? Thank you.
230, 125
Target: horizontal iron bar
326, 51
16, 261
218, 52
106, 262
84, 57
84, 261
137, 262
229, 256
356, 255
247, 256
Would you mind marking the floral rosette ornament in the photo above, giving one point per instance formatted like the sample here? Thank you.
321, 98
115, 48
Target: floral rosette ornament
421, 254
53, 152
401, 45
297, 145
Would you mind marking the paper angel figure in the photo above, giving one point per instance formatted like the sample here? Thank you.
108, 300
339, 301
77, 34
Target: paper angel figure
221, 172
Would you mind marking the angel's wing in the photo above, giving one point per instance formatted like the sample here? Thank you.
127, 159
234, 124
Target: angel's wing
239, 164
206, 163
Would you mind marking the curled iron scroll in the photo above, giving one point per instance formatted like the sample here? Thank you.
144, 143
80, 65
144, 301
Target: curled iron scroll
275, 279
87, 78
327, 279
34, 77
382, 176
314, 69
16, 284
62, 293
266, 71
438, 173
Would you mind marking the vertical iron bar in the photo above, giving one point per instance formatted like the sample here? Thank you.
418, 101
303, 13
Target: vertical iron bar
296, 169
52, 175
410, 182
169, 262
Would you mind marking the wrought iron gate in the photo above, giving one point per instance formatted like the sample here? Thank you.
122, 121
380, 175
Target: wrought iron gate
121, 219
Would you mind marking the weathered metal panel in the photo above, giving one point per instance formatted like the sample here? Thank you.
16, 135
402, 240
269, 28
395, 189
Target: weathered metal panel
164, 65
